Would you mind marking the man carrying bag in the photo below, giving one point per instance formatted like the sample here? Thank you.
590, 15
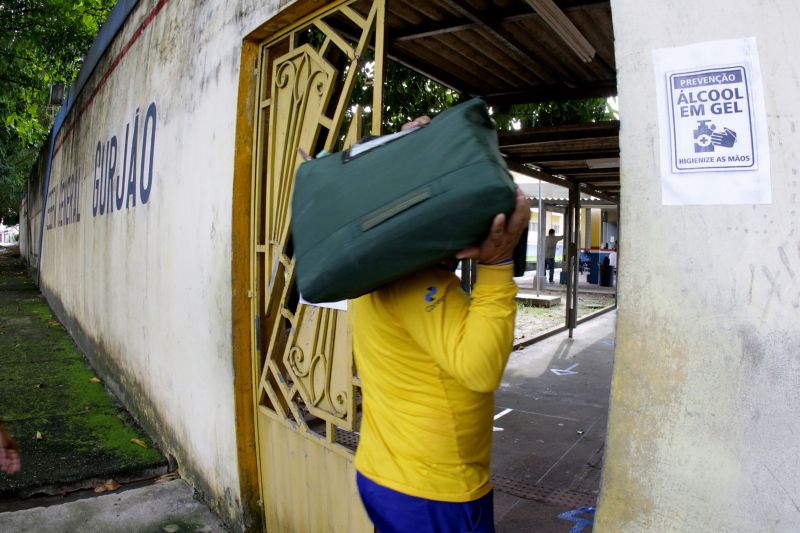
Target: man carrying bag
430, 358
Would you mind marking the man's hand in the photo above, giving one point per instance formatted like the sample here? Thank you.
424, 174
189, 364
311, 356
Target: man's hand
10, 458
503, 237
424, 120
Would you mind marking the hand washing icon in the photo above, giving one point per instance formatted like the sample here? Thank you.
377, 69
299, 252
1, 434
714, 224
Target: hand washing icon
706, 137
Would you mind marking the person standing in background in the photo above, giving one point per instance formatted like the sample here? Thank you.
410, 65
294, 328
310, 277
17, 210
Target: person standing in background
550, 252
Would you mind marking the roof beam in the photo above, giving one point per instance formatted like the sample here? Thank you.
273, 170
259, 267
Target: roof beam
496, 30
550, 150
554, 93
442, 78
587, 164
591, 191
512, 14
564, 28
448, 80
610, 175
585, 148
579, 155
566, 132
516, 166
434, 30
605, 176
518, 12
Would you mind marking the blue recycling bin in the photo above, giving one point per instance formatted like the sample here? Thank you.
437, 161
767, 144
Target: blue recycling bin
595, 259
606, 274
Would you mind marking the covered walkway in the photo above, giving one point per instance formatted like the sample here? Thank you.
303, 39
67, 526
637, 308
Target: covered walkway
551, 414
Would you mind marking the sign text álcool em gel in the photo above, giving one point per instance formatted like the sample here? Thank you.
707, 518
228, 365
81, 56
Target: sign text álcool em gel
711, 121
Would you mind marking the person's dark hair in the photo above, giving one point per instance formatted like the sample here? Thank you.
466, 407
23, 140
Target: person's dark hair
551, 232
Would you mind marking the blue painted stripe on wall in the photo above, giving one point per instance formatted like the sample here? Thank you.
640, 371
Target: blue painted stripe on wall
105, 37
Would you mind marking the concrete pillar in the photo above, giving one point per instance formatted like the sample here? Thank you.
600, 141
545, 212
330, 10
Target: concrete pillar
587, 229
704, 432
596, 236
539, 281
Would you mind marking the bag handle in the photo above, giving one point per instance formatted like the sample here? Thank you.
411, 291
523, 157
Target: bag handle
373, 143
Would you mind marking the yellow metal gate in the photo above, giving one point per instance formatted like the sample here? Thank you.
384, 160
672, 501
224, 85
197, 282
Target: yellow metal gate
305, 384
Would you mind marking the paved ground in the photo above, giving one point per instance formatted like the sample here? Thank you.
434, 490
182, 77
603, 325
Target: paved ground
527, 284
74, 435
165, 507
548, 457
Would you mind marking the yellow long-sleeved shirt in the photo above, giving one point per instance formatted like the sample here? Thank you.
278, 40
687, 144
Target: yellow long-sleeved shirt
430, 359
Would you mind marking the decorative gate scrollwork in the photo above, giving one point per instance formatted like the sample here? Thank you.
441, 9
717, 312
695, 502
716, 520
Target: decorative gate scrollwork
303, 354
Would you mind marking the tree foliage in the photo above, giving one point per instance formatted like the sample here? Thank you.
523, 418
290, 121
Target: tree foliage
42, 45
553, 113
408, 95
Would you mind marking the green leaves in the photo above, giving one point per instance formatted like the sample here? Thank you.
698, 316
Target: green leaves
42, 42
406, 96
553, 113
409, 95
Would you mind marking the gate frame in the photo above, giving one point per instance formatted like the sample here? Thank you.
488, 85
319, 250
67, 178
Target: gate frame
242, 291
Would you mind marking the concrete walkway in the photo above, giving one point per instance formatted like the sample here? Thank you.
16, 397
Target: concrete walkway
552, 412
167, 507
527, 283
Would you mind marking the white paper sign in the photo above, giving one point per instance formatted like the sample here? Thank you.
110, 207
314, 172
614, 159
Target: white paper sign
341, 305
712, 124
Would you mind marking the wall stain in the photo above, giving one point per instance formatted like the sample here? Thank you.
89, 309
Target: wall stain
788, 494
775, 288
752, 346
108, 363
785, 261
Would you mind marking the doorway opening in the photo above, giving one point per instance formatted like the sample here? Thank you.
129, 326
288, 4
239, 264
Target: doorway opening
368, 66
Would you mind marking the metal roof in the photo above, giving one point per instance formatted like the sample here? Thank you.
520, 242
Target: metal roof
508, 50
522, 51
551, 193
586, 155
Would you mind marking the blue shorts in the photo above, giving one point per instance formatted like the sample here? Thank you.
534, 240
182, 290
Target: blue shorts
395, 512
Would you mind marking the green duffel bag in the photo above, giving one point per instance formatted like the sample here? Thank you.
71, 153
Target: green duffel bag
395, 204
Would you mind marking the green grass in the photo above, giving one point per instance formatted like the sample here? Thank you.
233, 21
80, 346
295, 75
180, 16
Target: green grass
533, 321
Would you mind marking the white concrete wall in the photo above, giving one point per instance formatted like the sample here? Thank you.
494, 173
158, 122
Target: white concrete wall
147, 289
703, 431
